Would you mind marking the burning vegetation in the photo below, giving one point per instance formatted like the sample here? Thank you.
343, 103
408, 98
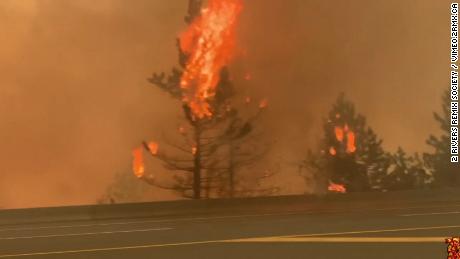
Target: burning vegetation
218, 141
209, 44
355, 159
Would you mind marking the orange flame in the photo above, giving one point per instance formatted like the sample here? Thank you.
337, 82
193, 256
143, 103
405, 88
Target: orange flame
209, 42
351, 142
332, 151
153, 148
263, 103
333, 187
338, 133
194, 149
138, 163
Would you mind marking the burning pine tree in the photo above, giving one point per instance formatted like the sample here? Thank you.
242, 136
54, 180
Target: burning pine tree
204, 87
351, 157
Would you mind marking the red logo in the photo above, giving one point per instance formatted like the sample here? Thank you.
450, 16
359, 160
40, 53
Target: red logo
453, 248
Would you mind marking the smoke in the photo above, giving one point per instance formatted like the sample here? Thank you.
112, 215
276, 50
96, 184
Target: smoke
73, 93
74, 99
389, 57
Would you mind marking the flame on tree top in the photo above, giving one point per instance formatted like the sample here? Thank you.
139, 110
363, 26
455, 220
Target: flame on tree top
209, 45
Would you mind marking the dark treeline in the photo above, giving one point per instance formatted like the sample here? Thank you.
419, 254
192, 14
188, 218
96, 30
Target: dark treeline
351, 154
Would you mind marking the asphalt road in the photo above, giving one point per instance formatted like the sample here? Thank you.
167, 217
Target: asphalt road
416, 231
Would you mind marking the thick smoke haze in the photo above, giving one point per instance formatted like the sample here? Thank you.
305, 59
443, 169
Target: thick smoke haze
74, 99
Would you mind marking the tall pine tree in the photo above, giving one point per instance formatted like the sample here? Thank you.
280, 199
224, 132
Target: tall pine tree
445, 173
203, 167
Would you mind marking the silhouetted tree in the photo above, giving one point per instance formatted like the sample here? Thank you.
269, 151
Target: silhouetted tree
405, 172
445, 173
350, 153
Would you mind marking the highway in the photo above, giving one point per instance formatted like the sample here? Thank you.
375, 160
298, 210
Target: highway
394, 231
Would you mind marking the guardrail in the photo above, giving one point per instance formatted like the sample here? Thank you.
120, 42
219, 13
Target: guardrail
273, 204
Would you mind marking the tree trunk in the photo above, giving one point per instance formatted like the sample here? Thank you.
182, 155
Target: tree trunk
231, 171
197, 165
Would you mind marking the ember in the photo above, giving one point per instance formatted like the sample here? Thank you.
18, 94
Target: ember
263, 103
332, 151
194, 149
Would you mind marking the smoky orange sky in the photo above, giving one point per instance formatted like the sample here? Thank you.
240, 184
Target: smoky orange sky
74, 99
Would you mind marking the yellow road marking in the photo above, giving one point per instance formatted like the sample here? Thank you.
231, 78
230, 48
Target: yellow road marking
428, 214
291, 238
341, 240
372, 231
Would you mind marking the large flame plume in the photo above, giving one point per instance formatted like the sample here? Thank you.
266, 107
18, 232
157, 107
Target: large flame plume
209, 43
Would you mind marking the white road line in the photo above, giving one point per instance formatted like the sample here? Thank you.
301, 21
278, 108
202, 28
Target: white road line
85, 234
154, 221
107, 249
428, 214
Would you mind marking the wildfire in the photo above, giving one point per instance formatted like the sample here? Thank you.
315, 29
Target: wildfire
333, 187
153, 148
263, 103
209, 44
351, 142
138, 163
194, 149
332, 151
340, 134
